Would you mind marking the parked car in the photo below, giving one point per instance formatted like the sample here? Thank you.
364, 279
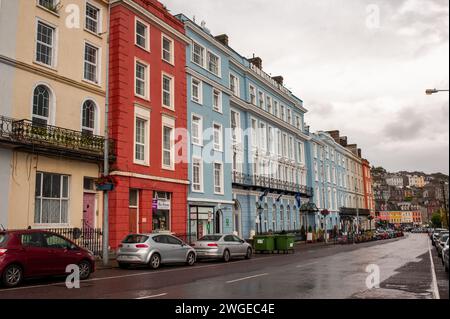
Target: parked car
225, 247
440, 242
37, 253
154, 250
445, 256
436, 234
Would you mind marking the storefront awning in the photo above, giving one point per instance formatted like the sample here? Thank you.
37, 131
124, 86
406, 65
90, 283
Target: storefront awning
353, 212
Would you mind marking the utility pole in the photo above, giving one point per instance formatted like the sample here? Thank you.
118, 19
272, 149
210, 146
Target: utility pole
105, 243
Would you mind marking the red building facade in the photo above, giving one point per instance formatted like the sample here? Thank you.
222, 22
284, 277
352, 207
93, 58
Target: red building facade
369, 198
147, 107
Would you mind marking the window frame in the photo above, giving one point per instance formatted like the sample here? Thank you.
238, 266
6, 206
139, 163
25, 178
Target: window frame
99, 18
54, 47
171, 93
168, 122
236, 92
94, 130
220, 145
200, 130
221, 178
97, 66
199, 161
220, 100
202, 54
144, 115
147, 35
210, 53
200, 91
238, 127
172, 51
146, 80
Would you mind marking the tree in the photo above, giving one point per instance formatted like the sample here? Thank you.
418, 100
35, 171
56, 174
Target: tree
436, 220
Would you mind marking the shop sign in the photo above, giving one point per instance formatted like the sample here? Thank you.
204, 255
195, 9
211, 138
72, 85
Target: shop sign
163, 204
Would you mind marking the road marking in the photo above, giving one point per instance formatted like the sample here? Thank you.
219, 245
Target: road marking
433, 275
246, 278
306, 265
139, 274
154, 296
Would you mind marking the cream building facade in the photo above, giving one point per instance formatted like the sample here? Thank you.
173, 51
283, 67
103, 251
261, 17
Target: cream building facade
52, 97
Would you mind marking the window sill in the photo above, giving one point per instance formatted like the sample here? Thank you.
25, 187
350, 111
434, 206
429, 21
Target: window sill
56, 14
91, 83
197, 102
45, 226
142, 97
166, 168
171, 63
49, 67
98, 35
144, 164
197, 144
142, 48
168, 108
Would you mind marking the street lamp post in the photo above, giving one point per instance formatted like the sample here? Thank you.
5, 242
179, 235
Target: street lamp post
434, 91
260, 211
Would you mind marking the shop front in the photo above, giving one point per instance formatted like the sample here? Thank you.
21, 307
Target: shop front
207, 220
161, 211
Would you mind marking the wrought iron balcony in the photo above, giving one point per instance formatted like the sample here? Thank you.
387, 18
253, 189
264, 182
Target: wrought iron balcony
249, 181
46, 139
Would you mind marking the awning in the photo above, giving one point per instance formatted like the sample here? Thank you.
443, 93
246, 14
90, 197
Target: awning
353, 212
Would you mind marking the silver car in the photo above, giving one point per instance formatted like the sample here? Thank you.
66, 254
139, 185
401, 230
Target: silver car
440, 242
223, 247
154, 250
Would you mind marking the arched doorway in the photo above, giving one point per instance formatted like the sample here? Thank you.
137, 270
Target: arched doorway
237, 217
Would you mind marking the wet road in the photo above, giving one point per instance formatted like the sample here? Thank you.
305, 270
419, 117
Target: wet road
404, 265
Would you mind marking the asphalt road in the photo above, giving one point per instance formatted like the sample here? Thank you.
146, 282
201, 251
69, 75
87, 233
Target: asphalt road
332, 272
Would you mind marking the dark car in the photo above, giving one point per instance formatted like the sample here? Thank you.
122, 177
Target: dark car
36, 253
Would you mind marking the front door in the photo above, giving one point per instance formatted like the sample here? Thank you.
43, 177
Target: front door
133, 221
88, 210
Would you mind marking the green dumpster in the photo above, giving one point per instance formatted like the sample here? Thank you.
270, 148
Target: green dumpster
284, 242
264, 243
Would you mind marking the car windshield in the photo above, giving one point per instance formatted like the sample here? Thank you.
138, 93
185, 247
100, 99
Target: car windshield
3, 238
444, 238
210, 238
135, 239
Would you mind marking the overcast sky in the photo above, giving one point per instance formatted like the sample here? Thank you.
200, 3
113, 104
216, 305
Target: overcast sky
363, 75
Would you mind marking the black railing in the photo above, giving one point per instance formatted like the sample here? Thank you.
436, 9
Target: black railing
89, 238
47, 138
248, 180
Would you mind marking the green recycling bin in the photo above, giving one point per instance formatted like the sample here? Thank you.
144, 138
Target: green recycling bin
264, 243
284, 242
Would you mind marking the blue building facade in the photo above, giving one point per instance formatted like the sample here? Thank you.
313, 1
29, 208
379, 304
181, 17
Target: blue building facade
210, 202
269, 172
337, 181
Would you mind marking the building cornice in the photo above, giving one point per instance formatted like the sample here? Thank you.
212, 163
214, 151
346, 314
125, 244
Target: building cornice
150, 177
137, 8
50, 75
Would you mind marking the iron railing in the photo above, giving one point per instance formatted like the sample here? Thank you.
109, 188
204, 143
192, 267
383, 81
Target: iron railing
249, 180
89, 238
46, 138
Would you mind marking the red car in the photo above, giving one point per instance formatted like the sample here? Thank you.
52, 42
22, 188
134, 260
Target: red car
38, 253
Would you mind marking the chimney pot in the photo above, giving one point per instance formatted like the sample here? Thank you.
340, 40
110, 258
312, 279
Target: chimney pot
256, 61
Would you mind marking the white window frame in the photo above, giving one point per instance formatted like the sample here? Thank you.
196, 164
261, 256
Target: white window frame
200, 130
222, 190
276, 108
237, 91
252, 94
170, 123
172, 51
263, 138
200, 91
254, 132
269, 104
218, 147
209, 53
146, 80
219, 93
236, 139
202, 55
143, 114
99, 18
54, 46
199, 161
97, 66
261, 99
171, 93
147, 34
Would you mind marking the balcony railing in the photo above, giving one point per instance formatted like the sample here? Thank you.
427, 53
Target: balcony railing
263, 182
50, 139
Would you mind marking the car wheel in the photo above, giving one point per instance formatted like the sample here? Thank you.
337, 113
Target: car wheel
12, 276
249, 254
155, 261
85, 270
124, 266
226, 256
190, 259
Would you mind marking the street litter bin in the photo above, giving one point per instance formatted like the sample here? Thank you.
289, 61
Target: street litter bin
264, 243
284, 242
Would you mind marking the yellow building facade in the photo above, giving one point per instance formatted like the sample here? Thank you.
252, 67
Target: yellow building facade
52, 97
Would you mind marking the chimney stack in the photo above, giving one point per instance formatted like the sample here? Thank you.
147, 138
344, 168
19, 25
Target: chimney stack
353, 148
256, 61
223, 38
278, 79
359, 153
334, 135
343, 141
